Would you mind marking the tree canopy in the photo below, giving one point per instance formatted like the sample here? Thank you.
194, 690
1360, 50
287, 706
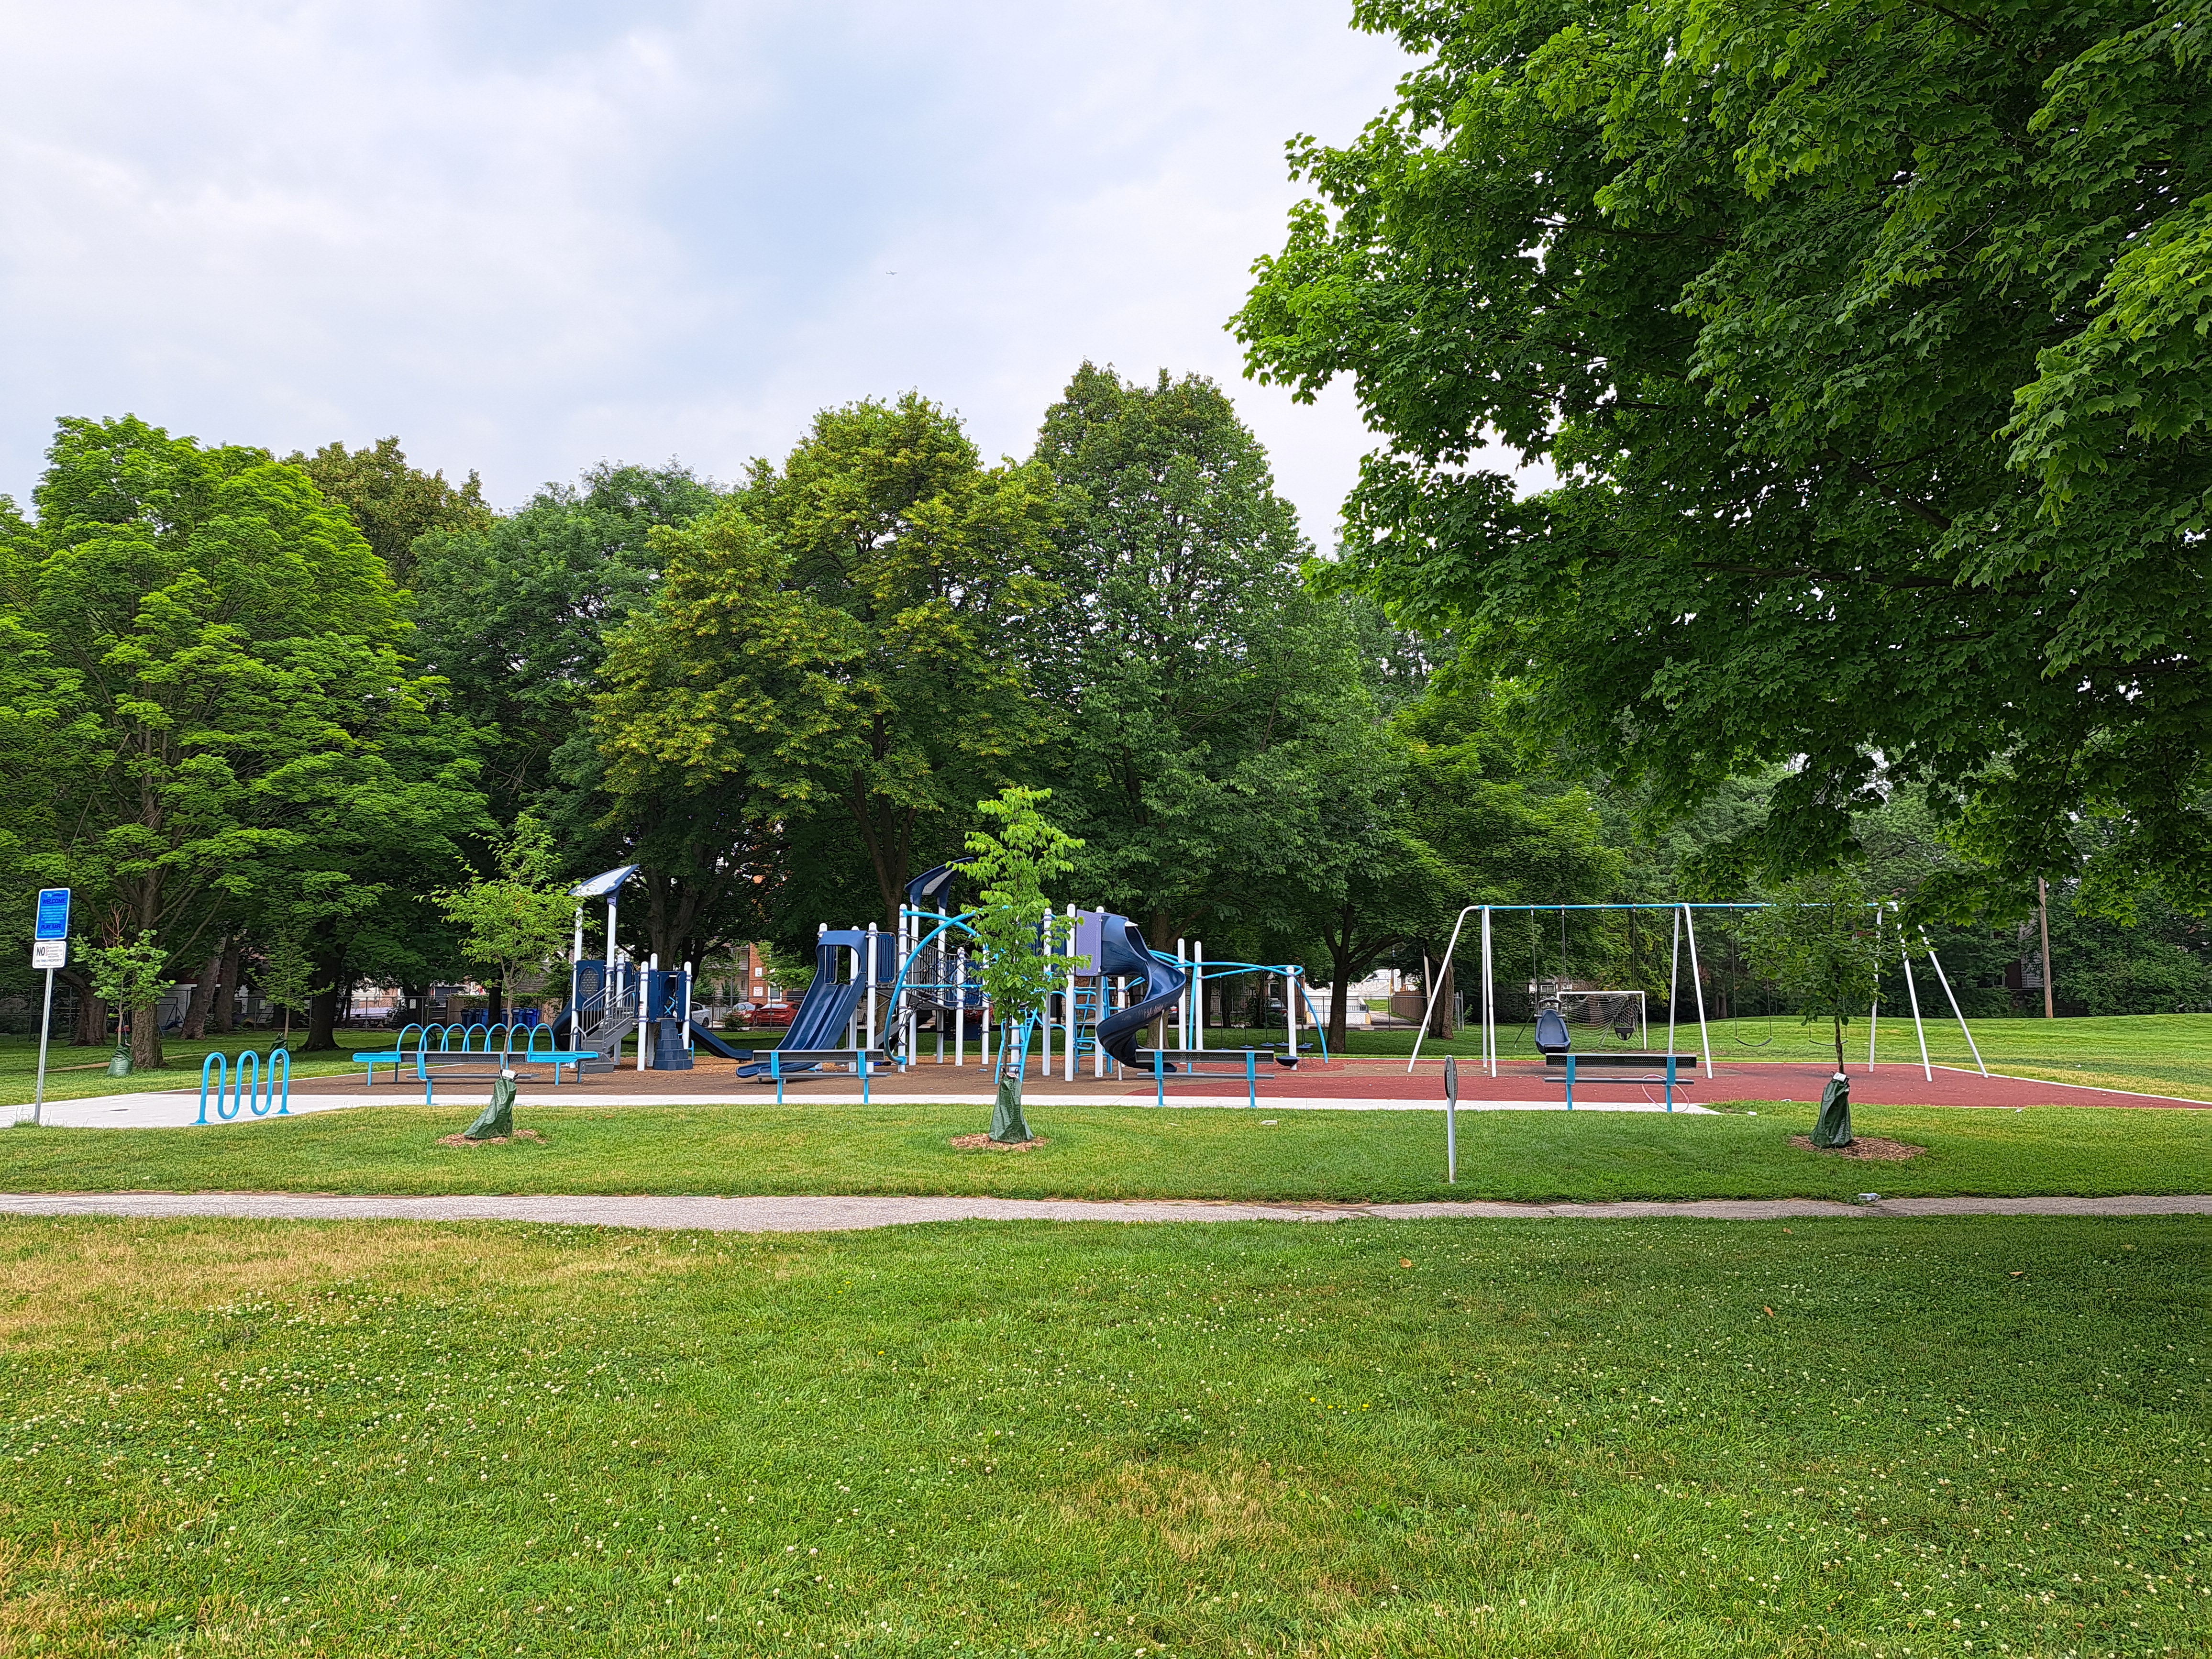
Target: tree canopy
1867, 346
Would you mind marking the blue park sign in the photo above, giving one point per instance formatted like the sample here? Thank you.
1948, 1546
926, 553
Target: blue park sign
53, 913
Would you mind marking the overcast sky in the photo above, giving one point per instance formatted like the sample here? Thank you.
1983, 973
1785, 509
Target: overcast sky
530, 237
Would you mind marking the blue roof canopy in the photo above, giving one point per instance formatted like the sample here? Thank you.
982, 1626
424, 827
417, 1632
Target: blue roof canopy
600, 886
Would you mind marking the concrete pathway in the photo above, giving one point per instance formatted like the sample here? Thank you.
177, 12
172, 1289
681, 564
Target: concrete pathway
810, 1214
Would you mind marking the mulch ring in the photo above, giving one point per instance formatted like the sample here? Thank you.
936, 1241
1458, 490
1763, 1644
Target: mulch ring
492, 1140
985, 1144
1872, 1147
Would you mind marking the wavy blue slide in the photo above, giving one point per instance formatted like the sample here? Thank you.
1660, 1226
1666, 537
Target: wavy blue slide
826, 1008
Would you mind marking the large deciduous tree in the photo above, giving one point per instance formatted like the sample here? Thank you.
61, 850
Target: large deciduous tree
1215, 708
203, 697
393, 504
891, 516
1867, 343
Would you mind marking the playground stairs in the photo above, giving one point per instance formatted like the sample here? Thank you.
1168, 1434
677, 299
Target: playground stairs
607, 1037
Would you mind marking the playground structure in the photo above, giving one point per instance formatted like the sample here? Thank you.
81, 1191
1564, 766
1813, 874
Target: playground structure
877, 996
1549, 997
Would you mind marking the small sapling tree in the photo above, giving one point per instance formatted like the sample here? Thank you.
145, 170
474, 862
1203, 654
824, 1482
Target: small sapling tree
1820, 942
517, 921
130, 977
288, 978
1021, 939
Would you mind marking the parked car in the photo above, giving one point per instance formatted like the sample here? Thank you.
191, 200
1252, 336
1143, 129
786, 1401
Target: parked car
776, 1017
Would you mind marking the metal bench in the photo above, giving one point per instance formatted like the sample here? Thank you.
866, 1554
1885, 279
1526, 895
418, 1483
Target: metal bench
1620, 1061
1188, 1063
802, 1060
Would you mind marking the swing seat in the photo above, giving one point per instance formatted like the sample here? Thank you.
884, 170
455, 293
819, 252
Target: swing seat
1551, 1033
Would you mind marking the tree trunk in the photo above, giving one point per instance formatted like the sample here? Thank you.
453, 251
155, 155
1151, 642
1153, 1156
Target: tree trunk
91, 1024
495, 1003
322, 1022
1440, 1019
146, 1038
203, 1002
1340, 995
225, 991
323, 1007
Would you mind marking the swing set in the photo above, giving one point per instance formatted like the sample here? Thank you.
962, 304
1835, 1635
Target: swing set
1556, 1005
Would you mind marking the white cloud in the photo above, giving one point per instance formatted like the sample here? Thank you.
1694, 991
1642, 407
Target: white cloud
526, 238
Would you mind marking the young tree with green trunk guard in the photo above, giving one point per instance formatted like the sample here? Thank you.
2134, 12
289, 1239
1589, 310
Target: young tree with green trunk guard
1821, 942
130, 977
1022, 941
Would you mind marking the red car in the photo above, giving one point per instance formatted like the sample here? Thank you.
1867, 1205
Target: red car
773, 1018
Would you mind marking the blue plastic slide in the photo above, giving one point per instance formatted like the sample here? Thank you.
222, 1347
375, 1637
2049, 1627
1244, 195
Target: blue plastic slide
713, 1041
1123, 955
826, 1008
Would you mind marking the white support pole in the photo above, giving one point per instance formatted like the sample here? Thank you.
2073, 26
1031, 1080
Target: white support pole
687, 1007
960, 1009
1290, 1008
1435, 980
1069, 1008
643, 980
1697, 981
983, 1033
1181, 1037
868, 996
1905, 955
1120, 1001
1944, 980
1489, 997
1873, 1006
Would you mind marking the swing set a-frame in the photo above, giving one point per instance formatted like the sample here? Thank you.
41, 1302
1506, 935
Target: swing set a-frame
1684, 943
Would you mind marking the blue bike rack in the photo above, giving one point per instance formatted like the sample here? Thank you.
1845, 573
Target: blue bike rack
255, 1097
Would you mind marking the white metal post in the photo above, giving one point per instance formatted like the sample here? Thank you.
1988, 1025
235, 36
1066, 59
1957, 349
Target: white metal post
1488, 1057
45, 1026
1099, 1014
868, 996
1698, 983
983, 1029
687, 1007
1290, 1008
1435, 981
1904, 954
960, 1008
652, 960
1944, 980
1070, 1007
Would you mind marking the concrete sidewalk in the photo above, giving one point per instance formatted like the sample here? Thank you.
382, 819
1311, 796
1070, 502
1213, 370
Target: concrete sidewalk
810, 1214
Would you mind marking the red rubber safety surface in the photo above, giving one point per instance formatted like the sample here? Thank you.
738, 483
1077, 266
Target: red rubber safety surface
1889, 1085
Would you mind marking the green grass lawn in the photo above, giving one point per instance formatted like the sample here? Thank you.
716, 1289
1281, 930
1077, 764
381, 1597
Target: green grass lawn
1868, 1438
1100, 1151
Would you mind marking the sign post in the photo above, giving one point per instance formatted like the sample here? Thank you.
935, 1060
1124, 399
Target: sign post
49, 950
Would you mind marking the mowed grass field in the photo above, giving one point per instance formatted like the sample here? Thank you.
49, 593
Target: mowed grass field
1121, 1151
1864, 1438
